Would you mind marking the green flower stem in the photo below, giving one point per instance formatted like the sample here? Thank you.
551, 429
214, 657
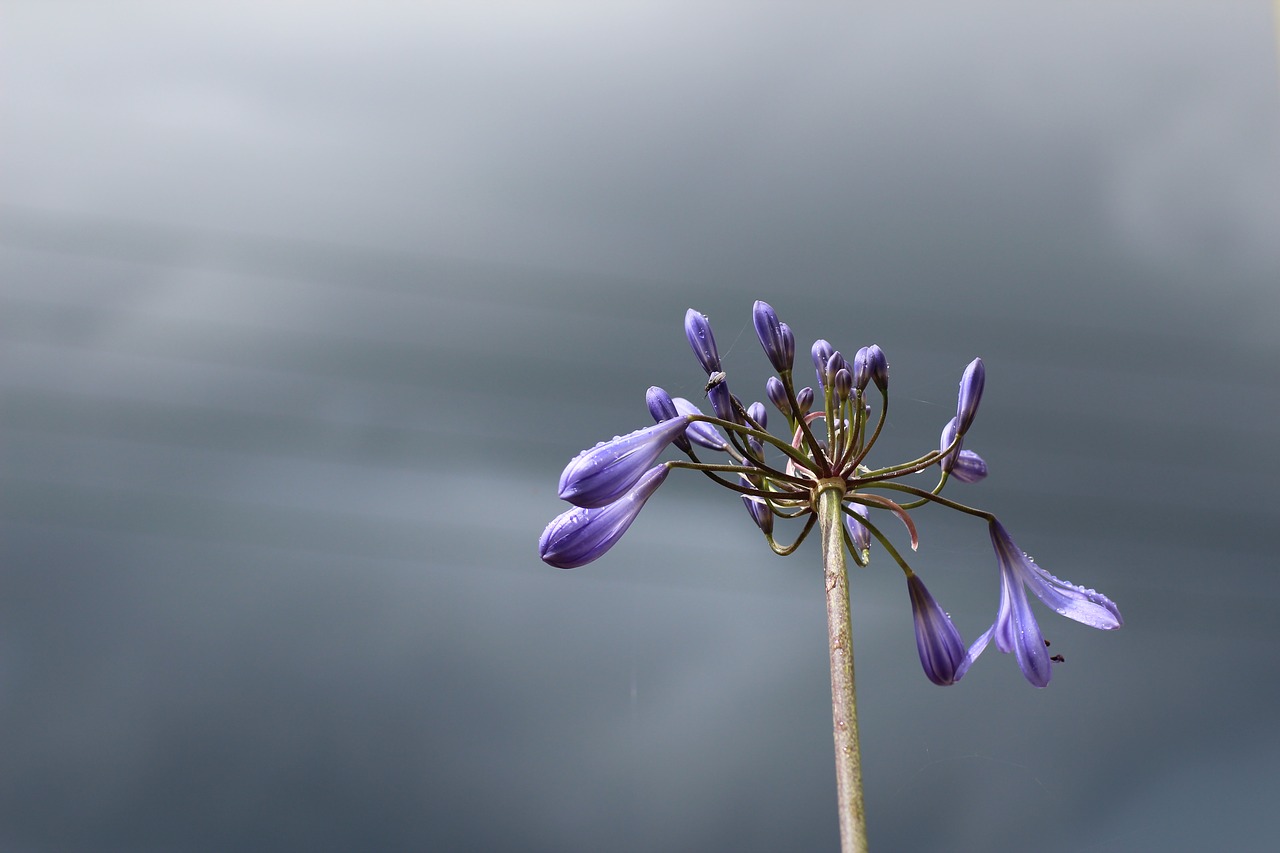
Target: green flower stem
844, 708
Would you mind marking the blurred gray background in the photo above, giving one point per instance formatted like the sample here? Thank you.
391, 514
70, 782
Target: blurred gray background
304, 308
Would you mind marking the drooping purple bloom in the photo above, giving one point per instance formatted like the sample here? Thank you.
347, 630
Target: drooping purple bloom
697, 328
1015, 629
607, 471
941, 649
948, 462
971, 384
776, 338
582, 534
699, 432
969, 467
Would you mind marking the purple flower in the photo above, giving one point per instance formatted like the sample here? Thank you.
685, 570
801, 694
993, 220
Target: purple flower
971, 384
969, 467
582, 534
862, 368
697, 328
1015, 629
663, 409
805, 398
776, 338
607, 471
699, 432
941, 648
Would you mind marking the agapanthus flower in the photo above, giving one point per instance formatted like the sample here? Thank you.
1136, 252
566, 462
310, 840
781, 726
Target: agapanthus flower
825, 447
1015, 629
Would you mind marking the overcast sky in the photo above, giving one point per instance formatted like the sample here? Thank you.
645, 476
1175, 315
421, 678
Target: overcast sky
304, 308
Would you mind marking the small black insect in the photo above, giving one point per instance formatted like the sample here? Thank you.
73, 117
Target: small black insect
713, 380
1058, 659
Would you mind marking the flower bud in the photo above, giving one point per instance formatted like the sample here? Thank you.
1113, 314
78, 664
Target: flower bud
948, 435
607, 471
975, 376
862, 369
773, 338
879, 367
843, 384
663, 408
697, 328
941, 649
858, 531
757, 413
777, 394
760, 512
969, 467
804, 398
821, 353
700, 432
582, 534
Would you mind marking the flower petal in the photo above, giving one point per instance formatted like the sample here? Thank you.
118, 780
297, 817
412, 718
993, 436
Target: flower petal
941, 649
1086, 606
582, 534
607, 471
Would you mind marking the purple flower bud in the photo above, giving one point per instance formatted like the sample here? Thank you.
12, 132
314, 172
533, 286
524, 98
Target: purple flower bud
843, 384
862, 369
879, 367
777, 394
835, 363
664, 409
697, 328
582, 534
975, 376
948, 462
941, 649
721, 399
760, 512
969, 467
858, 531
607, 471
757, 413
770, 331
804, 398
821, 355
700, 432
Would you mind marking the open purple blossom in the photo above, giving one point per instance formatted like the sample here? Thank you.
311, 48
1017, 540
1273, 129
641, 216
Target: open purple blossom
825, 448
583, 534
1015, 629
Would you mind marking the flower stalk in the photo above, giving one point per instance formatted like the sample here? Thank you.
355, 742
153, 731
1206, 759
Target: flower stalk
844, 703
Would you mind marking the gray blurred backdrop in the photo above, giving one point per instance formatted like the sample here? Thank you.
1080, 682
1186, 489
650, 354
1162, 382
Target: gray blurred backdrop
304, 307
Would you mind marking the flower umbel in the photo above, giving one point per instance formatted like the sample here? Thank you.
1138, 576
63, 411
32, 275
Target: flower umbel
817, 473
778, 480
